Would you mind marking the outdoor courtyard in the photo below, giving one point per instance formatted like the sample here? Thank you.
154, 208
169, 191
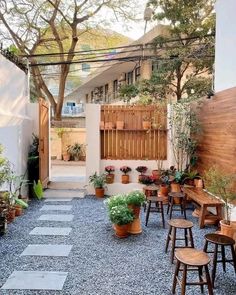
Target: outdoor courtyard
95, 261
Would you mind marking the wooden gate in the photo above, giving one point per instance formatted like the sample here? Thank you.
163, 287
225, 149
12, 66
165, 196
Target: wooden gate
43, 142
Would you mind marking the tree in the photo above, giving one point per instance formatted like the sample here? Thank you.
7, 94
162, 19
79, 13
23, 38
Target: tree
185, 65
33, 25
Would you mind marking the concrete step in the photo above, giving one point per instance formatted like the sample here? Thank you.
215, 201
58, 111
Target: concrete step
64, 185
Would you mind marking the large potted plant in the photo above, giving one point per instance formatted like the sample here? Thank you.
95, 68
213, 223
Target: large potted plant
110, 175
121, 216
135, 200
75, 150
221, 185
125, 176
98, 182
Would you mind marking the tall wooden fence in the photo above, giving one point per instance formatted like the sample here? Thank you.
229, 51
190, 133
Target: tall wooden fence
218, 140
133, 142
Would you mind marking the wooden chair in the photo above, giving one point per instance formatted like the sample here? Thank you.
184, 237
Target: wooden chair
158, 207
191, 260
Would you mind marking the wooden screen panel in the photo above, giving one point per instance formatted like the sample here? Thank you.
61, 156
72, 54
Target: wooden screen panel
218, 141
133, 142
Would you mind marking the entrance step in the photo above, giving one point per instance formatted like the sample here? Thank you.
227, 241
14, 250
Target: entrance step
60, 193
66, 185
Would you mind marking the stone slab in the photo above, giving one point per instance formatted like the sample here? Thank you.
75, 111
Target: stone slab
51, 231
56, 207
35, 280
58, 200
47, 250
56, 217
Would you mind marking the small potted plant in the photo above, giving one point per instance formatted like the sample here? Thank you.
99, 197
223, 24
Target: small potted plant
147, 179
221, 185
110, 175
66, 154
75, 151
125, 177
98, 182
142, 170
121, 216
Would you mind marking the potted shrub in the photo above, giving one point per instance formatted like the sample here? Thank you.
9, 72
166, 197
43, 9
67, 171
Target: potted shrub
142, 170
75, 150
116, 200
110, 176
125, 177
121, 216
135, 200
98, 182
189, 177
221, 185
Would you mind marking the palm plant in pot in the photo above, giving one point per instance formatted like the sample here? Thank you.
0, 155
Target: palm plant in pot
98, 182
222, 186
121, 216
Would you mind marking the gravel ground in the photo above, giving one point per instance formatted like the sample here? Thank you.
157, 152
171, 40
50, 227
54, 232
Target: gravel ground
100, 263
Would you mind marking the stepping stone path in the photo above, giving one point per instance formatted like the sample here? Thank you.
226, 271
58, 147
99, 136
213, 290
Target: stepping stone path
44, 280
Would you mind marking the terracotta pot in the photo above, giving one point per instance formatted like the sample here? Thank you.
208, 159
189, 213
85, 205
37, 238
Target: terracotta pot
110, 178
124, 178
18, 210
227, 229
198, 182
121, 230
99, 192
156, 174
164, 190
135, 209
175, 187
120, 125
66, 156
146, 125
11, 215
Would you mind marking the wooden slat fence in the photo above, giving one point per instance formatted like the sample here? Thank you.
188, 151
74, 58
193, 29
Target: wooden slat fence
133, 142
218, 141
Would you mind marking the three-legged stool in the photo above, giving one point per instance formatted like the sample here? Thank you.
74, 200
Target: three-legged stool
192, 260
188, 236
220, 241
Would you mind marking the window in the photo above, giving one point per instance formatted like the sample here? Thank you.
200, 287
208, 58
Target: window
137, 73
85, 67
70, 104
130, 79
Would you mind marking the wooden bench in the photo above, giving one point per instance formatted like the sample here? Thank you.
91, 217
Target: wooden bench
204, 201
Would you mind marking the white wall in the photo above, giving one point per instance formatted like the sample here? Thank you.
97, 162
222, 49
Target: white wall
225, 61
16, 126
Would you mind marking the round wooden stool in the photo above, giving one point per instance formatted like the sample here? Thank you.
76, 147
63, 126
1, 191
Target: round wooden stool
181, 203
222, 241
192, 260
158, 207
188, 236
149, 191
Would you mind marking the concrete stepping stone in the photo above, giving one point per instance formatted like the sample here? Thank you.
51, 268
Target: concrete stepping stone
47, 250
58, 200
56, 217
36, 280
51, 231
56, 207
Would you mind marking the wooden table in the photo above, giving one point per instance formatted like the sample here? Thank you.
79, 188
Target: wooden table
204, 201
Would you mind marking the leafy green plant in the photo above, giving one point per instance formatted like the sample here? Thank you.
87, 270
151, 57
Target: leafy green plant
121, 215
221, 185
116, 200
4, 167
127, 91
136, 198
60, 131
98, 181
38, 189
75, 150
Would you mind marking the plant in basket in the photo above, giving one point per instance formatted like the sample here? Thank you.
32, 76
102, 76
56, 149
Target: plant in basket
121, 216
110, 175
125, 177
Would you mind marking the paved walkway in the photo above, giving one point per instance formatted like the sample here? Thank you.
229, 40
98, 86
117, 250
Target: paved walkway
66, 246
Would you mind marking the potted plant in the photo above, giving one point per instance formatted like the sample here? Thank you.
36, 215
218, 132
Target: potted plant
116, 200
110, 176
189, 177
135, 200
98, 182
147, 179
142, 170
66, 154
121, 216
221, 185
75, 150
125, 177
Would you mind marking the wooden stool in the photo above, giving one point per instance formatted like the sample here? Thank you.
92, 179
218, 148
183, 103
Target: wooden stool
196, 259
223, 241
182, 203
179, 224
158, 201
149, 191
